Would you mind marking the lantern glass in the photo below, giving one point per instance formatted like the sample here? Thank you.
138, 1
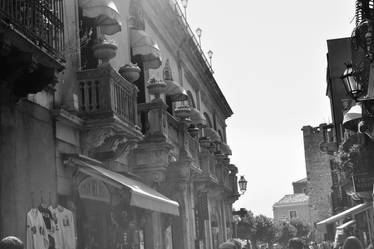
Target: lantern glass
210, 54
353, 88
198, 32
242, 184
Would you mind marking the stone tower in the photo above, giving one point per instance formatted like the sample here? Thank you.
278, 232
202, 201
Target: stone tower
318, 171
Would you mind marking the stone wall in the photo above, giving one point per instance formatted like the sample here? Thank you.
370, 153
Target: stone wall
318, 175
300, 187
282, 213
27, 165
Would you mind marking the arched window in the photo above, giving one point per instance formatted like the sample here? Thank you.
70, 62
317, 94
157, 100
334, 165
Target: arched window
191, 100
206, 116
136, 19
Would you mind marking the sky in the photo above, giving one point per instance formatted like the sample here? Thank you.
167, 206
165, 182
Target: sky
270, 62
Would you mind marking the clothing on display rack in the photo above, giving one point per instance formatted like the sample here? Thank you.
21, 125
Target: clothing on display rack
65, 230
49, 224
36, 231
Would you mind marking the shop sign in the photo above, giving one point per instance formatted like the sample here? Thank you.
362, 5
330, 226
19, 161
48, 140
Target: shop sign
93, 189
363, 182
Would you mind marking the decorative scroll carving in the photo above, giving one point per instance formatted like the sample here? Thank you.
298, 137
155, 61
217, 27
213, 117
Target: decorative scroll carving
94, 138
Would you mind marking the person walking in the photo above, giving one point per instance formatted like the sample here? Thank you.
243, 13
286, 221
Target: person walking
352, 243
295, 243
11, 242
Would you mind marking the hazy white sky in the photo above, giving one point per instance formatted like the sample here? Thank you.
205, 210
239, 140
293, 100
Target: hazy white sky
270, 62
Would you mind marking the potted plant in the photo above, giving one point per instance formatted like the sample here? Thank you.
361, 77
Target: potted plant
156, 87
183, 111
194, 131
130, 72
105, 50
204, 142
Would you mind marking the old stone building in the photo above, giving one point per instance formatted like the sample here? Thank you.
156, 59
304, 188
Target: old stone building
318, 171
293, 206
110, 112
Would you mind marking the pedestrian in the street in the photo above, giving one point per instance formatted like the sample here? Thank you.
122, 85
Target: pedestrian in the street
352, 243
295, 243
11, 242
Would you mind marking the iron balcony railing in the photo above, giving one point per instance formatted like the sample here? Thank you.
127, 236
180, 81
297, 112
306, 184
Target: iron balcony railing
180, 14
41, 21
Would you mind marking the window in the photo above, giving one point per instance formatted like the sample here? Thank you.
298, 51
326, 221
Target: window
293, 215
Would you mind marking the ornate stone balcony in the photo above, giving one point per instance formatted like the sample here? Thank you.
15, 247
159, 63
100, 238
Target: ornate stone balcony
107, 104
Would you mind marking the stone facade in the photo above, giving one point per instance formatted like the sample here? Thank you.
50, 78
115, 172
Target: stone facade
58, 125
295, 206
318, 172
300, 186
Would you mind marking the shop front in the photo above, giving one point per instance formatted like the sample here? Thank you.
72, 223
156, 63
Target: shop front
116, 211
356, 221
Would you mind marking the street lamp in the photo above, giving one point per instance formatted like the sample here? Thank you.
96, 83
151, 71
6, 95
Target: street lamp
198, 32
242, 184
210, 55
184, 4
353, 88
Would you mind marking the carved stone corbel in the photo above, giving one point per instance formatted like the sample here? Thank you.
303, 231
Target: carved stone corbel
94, 138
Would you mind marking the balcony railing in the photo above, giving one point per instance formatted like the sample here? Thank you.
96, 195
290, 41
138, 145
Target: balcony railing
104, 92
193, 149
41, 21
180, 14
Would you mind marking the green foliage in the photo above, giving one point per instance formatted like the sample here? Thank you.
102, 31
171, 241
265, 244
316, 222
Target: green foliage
285, 232
256, 228
301, 227
246, 227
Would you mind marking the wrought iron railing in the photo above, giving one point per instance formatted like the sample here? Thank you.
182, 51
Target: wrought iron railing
180, 14
103, 91
41, 21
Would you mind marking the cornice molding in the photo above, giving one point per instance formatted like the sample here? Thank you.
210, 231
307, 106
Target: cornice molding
192, 56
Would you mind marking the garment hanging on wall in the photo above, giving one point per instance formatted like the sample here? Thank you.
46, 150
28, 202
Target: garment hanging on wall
36, 232
49, 224
65, 231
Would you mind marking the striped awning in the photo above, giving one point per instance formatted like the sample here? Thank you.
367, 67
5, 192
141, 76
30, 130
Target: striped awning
142, 196
143, 45
175, 91
105, 13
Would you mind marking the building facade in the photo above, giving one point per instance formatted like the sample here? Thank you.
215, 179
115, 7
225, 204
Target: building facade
294, 206
133, 156
318, 171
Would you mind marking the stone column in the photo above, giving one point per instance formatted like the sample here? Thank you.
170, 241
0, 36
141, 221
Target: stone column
153, 231
179, 178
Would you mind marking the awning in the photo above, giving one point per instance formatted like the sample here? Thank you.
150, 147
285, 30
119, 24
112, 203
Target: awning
105, 13
197, 118
225, 149
175, 91
352, 211
212, 134
143, 45
352, 117
345, 225
141, 195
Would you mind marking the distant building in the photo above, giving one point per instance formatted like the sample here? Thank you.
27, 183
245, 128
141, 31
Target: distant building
300, 186
294, 206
